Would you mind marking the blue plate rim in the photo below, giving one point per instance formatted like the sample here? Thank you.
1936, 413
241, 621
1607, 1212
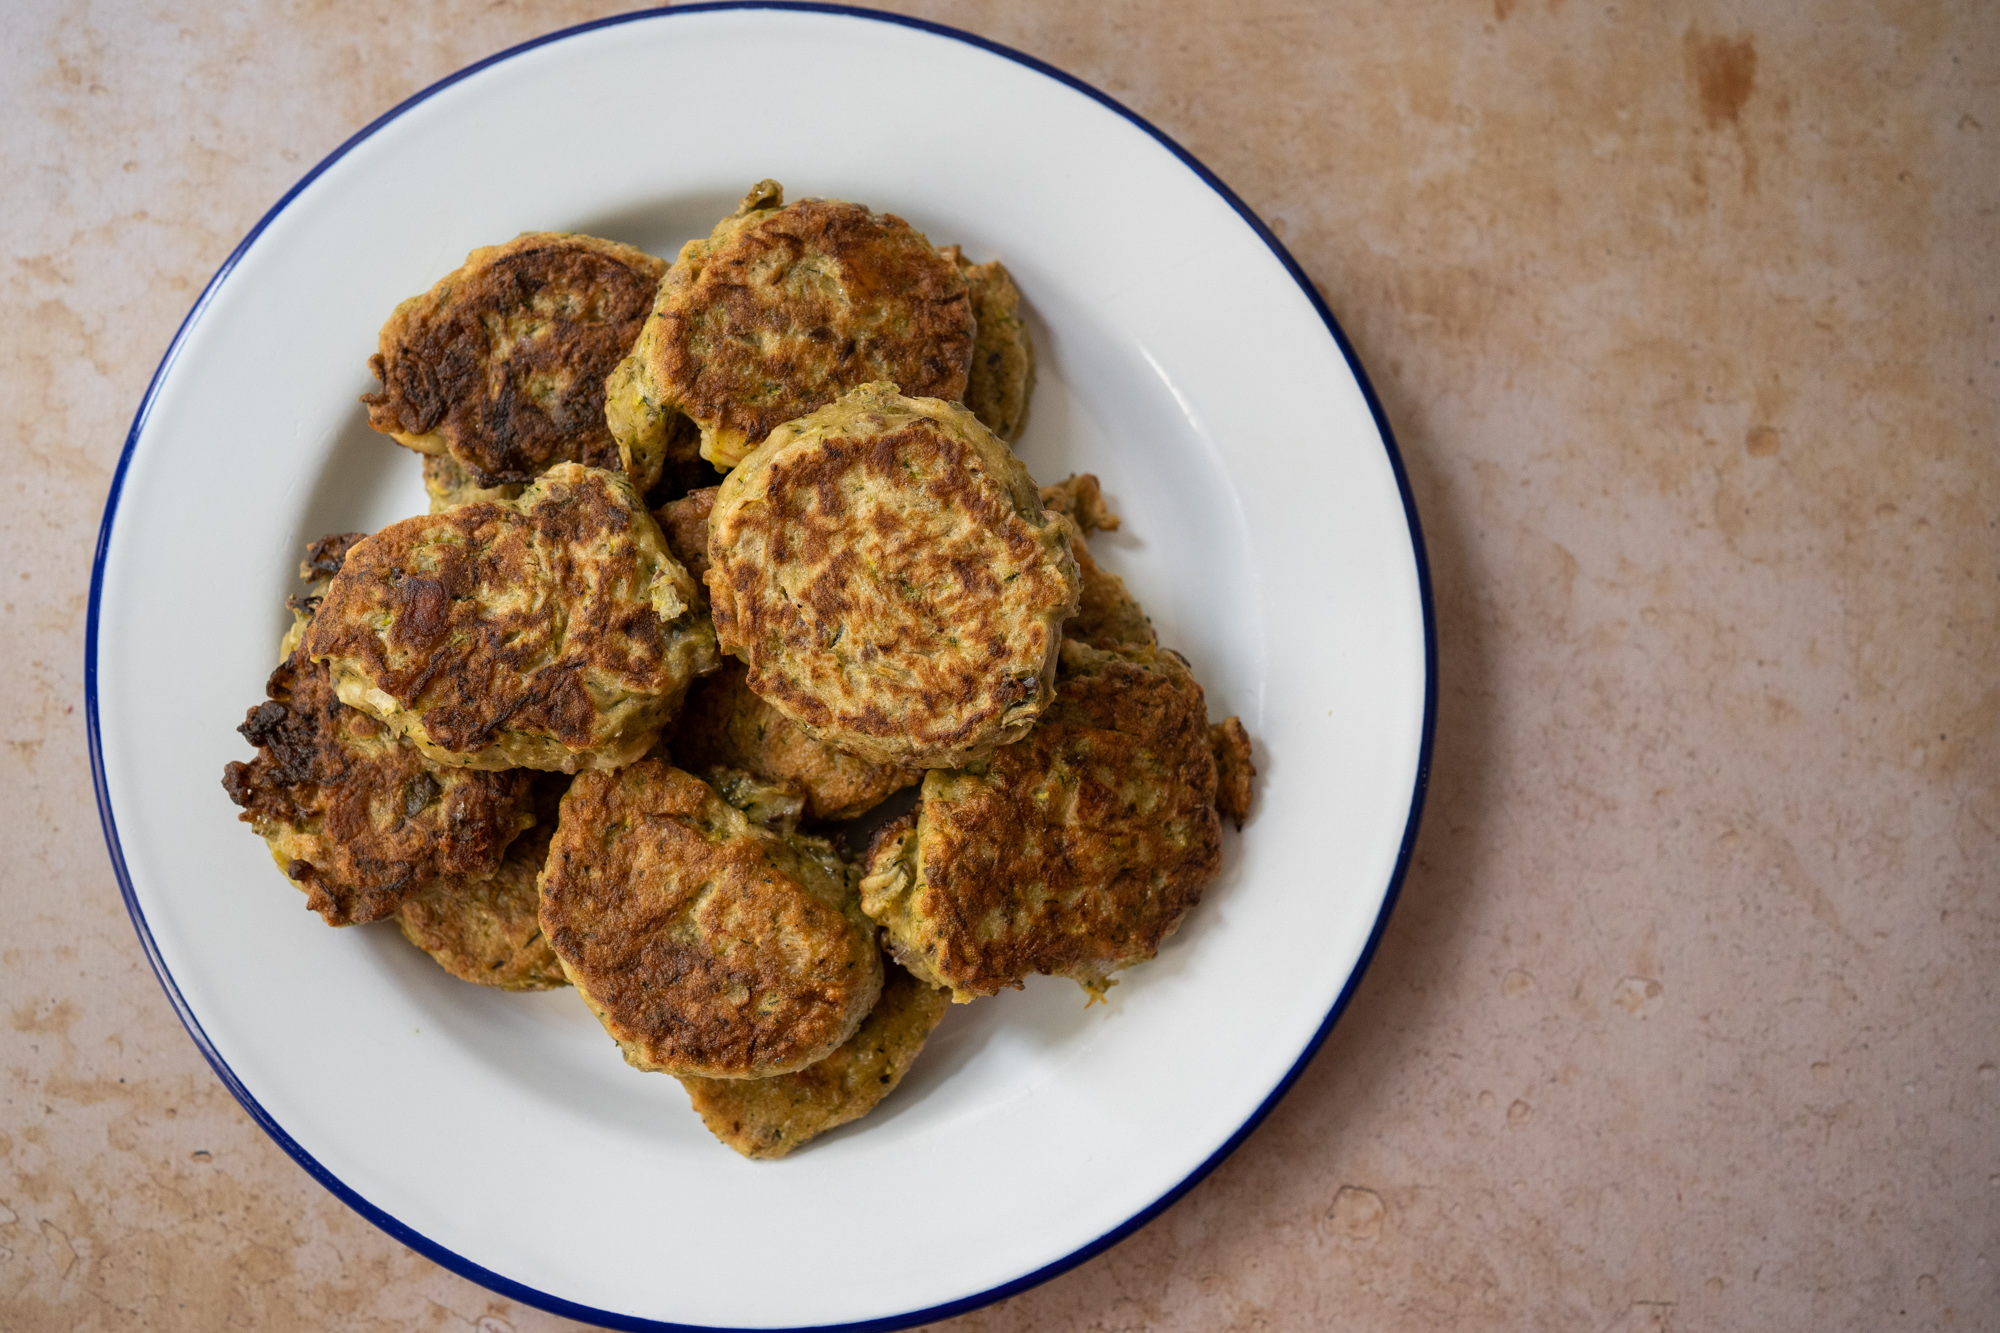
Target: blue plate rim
557, 1305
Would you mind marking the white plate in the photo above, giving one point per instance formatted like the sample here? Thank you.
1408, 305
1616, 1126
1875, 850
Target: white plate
1268, 530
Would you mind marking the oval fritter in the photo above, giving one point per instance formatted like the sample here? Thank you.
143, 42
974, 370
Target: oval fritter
725, 723
769, 1117
1106, 613
353, 815
1073, 852
489, 932
1003, 354
885, 569
778, 311
554, 632
502, 364
705, 944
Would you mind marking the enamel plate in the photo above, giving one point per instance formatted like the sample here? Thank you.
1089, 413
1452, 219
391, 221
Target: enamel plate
1268, 529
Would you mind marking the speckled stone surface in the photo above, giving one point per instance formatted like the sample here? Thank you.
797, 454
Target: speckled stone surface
1685, 318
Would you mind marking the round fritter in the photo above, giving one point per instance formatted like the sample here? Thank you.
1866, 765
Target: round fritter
1003, 353
352, 815
769, 1117
449, 485
781, 309
704, 943
885, 569
489, 932
1106, 613
725, 723
1074, 852
502, 364
553, 632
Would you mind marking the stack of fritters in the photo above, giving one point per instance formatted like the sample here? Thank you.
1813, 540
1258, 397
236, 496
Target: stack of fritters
509, 724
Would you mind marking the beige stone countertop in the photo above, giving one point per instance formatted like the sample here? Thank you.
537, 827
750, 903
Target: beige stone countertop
1685, 319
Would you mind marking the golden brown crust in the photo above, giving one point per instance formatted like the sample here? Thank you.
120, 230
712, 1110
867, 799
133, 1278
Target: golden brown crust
489, 932
1003, 354
725, 723
705, 944
769, 1117
352, 815
684, 523
783, 308
555, 632
1233, 769
503, 362
885, 569
1075, 851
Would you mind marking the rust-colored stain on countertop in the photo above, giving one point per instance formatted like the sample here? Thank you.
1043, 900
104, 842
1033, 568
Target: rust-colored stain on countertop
1685, 318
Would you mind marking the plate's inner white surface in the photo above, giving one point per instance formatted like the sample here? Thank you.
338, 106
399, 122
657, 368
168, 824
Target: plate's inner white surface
1263, 532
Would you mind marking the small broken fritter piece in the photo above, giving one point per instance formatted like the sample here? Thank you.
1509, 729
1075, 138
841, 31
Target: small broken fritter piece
725, 723
322, 562
489, 932
554, 632
781, 309
1003, 354
1074, 852
502, 363
1106, 612
770, 1117
885, 569
684, 523
1233, 769
352, 815
1080, 498
449, 485
705, 943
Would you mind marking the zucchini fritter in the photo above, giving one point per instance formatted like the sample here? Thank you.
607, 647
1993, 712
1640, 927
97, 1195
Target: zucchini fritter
769, 1117
352, 815
554, 632
489, 932
781, 309
1073, 852
705, 943
724, 723
1003, 355
502, 363
886, 570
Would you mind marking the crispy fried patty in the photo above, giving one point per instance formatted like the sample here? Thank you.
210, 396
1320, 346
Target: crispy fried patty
769, 1117
554, 632
489, 931
885, 569
724, 723
781, 309
704, 943
352, 815
502, 364
1003, 354
1075, 851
